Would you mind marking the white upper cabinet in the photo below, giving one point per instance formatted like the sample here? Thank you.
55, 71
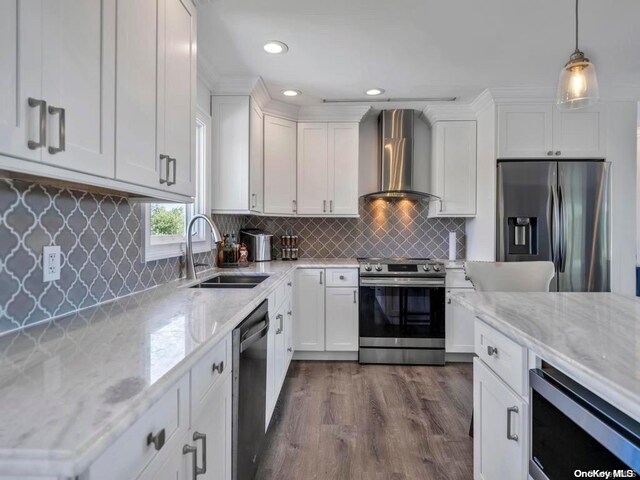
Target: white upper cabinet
21, 79
313, 195
453, 171
544, 131
177, 92
580, 134
230, 154
78, 83
136, 159
256, 159
328, 168
344, 154
57, 83
279, 166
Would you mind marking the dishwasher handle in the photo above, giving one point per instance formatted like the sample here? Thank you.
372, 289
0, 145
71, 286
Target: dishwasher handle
253, 338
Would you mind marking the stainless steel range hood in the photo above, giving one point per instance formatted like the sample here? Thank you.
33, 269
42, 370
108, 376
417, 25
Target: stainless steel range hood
402, 175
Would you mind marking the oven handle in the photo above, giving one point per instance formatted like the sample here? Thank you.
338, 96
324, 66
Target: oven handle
565, 400
385, 282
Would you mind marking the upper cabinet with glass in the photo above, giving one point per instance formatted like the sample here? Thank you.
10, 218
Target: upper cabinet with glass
545, 131
66, 116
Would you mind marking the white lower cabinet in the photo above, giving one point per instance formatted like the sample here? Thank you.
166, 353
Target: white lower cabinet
309, 309
459, 337
342, 319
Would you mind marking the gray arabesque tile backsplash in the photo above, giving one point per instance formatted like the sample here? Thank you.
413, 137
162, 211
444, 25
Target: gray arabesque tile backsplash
101, 243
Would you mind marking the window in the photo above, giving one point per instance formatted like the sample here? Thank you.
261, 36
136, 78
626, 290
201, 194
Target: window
166, 223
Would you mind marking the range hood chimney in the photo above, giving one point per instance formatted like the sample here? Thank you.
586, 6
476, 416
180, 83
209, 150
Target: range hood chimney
402, 175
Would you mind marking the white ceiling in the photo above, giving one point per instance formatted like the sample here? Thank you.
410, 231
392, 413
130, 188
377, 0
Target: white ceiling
415, 48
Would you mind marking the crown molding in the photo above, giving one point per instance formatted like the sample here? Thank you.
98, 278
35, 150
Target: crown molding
510, 95
235, 85
280, 109
333, 113
437, 113
260, 94
483, 101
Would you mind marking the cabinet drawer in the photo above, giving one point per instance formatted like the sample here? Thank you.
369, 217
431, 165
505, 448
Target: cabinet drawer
208, 373
131, 453
342, 277
457, 278
504, 356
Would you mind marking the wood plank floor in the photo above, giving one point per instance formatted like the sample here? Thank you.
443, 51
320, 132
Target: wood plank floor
343, 421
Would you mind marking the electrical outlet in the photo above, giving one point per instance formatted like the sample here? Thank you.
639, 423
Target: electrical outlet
50, 263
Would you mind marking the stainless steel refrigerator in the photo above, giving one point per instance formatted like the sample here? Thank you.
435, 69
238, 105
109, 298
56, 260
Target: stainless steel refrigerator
557, 211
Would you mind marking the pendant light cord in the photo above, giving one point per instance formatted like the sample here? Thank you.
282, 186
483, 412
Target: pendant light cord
577, 25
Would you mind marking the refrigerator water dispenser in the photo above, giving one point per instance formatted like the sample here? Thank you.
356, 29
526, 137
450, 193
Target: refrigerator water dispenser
523, 235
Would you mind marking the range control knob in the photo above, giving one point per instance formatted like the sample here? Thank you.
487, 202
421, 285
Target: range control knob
367, 267
378, 268
436, 268
426, 268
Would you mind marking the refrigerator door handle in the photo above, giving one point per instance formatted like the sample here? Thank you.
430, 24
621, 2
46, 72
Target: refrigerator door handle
562, 236
555, 228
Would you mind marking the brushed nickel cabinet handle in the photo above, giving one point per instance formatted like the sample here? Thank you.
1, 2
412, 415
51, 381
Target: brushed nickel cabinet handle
511, 436
341, 277
218, 367
42, 123
355, 293
558, 152
190, 449
157, 440
550, 152
171, 161
289, 349
491, 351
201, 436
324, 206
281, 318
321, 273
62, 134
294, 206
331, 206
289, 284
166, 158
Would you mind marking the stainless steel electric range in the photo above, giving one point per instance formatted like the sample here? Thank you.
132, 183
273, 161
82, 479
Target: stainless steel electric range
401, 313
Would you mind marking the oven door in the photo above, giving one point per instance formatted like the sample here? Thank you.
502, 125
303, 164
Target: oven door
402, 313
574, 430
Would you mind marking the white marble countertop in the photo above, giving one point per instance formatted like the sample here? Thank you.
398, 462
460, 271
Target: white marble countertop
592, 337
71, 386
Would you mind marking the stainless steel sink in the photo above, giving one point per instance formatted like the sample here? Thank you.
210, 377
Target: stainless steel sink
232, 281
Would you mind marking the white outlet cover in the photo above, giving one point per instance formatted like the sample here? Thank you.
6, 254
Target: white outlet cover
51, 263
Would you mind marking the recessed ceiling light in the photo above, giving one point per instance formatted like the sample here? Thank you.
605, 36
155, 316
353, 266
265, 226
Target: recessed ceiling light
291, 93
275, 47
375, 91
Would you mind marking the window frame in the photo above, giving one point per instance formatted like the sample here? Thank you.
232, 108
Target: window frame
175, 246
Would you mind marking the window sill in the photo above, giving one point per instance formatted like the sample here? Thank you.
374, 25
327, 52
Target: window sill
173, 250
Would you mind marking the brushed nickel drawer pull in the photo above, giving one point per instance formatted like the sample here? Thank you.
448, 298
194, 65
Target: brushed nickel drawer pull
201, 436
163, 180
492, 351
62, 134
42, 124
511, 436
218, 367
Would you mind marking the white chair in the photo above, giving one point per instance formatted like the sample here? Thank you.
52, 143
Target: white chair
510, 276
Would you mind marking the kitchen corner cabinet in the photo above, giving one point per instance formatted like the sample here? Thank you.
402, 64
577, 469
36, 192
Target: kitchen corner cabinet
543, 131
453, 169
279, 166
500, 428
327, 169
236, 160
57, 101
156, 94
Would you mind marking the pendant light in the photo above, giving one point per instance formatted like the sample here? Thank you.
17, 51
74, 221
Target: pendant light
578, 85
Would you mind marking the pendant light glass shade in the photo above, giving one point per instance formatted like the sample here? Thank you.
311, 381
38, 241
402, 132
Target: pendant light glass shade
578, 84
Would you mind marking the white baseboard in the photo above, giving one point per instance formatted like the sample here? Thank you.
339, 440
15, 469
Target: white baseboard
326, 356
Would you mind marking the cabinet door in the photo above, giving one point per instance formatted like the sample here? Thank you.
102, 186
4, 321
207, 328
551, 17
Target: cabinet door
308, 331
280, 348
78, 75
136, 157
176, 467
271, 368
215, 423
256, 158
288, 334
498, 413
177, 92
313, 198
579, 134
20, 77
279, 165
458, 326
525, 131
230, 154
342, 319
454, 168
344, 153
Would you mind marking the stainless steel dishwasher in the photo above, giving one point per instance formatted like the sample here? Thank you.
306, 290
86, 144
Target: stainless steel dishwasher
249, 392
